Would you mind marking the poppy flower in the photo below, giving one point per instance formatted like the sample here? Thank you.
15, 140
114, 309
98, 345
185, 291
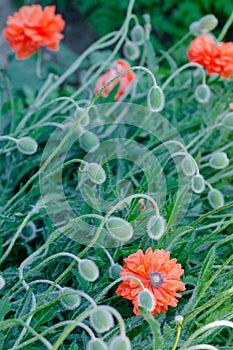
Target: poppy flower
31, 27
118, 67
216, 58
231, 106
159, 274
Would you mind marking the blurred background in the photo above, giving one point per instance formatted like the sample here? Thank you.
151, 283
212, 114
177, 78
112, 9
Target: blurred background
88, 19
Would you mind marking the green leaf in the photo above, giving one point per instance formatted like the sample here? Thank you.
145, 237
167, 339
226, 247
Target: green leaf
155, 328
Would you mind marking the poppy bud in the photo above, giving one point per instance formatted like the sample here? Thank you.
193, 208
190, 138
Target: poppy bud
89, 142
101, 320
219, 160
95, 173
155, 99
138, 35
146, 300
114, 271
2, 282
119, 229
195, 29
202, 93
198, 183
228, 121
88, 270
71, 298
188, 166
96, 344
179, 319
120, 343
156, 227
29, 231
215, 198
208, 23
131, 50
27, 145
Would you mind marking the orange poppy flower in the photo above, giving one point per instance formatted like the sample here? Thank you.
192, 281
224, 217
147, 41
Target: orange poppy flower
217, 58
118, 67
143, 207
159, 274
31, 27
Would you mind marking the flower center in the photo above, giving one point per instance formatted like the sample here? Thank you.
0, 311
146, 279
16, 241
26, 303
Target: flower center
156, 279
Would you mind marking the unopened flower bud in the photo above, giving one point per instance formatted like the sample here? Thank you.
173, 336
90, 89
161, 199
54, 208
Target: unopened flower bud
137, 34
155, 99
146, 300
89, 141
219, 160
119, 229
120, 343
179, 319
88, 270
156, 227
208, 23
71, 298
29, 231
27, 145
228, 121
202, 93
215, 198
131, 50
198, 183
195, 29
96, 344
188, 166
95, 173
2, 282
114, 271
101, 320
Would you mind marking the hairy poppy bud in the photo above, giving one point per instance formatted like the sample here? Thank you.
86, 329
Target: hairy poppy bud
155, 99
96, 344
202, 93
89, 141
101, 320
188, 166
2, 282
27, 145
215, 198
146, 300
88, 270
219, 160
208, 23
29, 231
156, 227
119, 229
228, 121
95, 173
71, 298
114, 271
198, 183
131, 50
137, 34
120, 343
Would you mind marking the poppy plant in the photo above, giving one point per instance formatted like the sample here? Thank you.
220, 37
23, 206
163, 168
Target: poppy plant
31, 27
215, 57
159, 274
118, 67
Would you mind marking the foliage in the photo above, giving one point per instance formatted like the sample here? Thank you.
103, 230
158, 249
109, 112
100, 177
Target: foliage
54, 212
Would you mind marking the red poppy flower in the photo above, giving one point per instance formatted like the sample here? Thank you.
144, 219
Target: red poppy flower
31, 27
231, 106
118, 67
159, 274
217, 58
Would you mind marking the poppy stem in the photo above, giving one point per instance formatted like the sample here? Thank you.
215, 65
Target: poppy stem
177, 337
226, 27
